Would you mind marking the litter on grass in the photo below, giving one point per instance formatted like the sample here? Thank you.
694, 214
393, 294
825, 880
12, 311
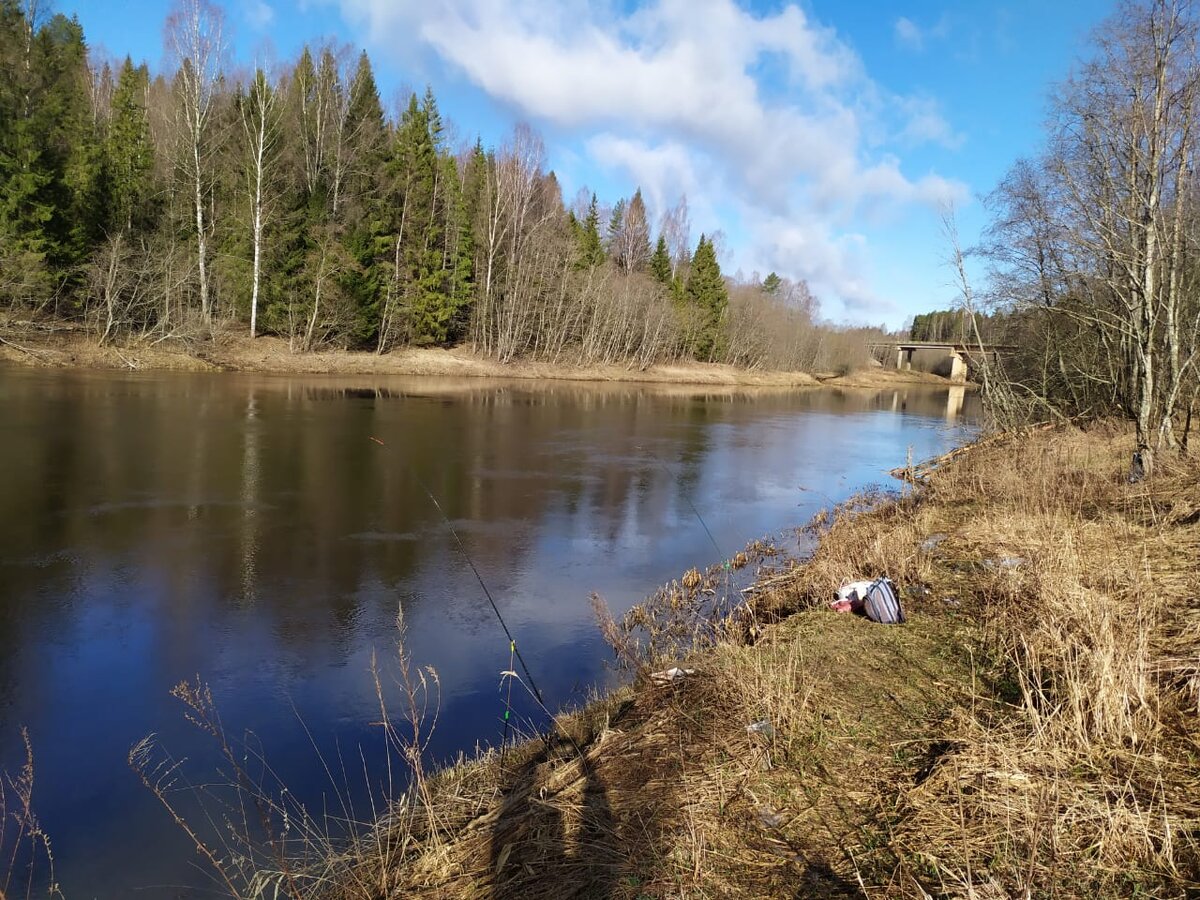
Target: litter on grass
669, 675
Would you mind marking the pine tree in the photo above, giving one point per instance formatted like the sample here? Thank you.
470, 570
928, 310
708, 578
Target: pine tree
475, 184
309, 98
772, 284
433, 119
366, 133
363, 204
51, 209
635, 235
423, 304
461, 255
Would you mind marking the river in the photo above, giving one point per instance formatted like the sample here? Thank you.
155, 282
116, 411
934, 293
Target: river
249, 531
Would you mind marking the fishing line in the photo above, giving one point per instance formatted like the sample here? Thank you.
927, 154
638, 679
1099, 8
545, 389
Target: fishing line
512, 642
725, 561
531, 687
688, 499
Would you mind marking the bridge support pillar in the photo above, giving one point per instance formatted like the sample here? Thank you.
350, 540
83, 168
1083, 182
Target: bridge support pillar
903, 359
958, 367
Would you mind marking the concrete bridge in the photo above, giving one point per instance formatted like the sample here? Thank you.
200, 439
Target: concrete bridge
956, 353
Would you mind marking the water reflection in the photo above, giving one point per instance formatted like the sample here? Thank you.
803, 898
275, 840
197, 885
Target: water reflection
248, 529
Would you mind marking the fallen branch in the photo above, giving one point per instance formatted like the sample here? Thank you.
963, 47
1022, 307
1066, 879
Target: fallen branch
15, 346
125, 359
764, 583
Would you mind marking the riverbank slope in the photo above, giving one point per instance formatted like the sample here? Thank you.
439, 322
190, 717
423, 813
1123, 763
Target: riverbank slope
69, 348
1031, 731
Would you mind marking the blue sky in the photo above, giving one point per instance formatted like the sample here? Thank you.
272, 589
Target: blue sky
819, 136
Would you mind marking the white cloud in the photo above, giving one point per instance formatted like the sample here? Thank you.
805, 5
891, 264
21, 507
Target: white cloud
909, 35
663, 171
259, 14
672, 93
924, 124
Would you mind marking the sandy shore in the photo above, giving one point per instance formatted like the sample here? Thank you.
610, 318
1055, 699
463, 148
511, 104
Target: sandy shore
68, 348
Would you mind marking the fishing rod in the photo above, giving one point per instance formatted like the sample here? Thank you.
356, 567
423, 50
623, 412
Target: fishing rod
512, 642
712, 540
514, 651
725, 561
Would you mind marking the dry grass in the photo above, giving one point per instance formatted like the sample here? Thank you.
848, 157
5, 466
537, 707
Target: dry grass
1075, 773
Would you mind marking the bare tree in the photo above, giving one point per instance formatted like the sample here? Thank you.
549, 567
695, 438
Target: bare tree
195, 37
1123, 152
630, 246
676, 227
1102, 230
260, 114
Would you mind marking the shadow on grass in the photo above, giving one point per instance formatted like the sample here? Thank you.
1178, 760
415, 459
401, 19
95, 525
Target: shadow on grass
565, 845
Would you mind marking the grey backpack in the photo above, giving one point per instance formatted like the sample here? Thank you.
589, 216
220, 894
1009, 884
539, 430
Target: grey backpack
882, 603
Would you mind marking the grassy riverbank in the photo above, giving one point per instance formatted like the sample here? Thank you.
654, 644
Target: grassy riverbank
1032, 731
65, 348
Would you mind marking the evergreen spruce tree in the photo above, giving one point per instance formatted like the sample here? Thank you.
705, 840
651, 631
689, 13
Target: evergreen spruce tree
366, 238
616, 227
591, 248
460, 288
51, 207
128, 152
420, 222
771, 284
635, 236
474, 184
708, 296
660, 263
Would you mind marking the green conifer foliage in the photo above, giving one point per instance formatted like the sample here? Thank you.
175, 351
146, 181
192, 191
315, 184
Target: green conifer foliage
460, 254
708, 297
128, 153
433, 255
635, 238
660, 263
616, 225
51, 210
591, 247
365, 139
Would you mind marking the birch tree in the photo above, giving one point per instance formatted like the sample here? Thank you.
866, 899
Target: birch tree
195, 38
1101, 230
260, 118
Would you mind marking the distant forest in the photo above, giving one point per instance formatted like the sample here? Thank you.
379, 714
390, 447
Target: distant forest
291, 202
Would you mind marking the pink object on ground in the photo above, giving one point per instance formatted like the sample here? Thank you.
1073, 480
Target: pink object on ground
849, 597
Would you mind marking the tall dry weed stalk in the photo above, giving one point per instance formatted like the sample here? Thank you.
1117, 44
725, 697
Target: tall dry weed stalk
24, 844
420, 698
260, 840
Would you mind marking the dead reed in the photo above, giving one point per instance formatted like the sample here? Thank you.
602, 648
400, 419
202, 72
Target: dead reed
26, 857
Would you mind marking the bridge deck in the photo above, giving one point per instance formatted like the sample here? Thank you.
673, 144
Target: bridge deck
955, 346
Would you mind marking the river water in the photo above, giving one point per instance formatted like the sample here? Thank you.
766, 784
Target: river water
249, 531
